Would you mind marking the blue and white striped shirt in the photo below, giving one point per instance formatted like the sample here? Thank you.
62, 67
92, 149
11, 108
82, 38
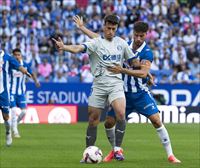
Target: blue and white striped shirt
135, 84
18, 80
6, 63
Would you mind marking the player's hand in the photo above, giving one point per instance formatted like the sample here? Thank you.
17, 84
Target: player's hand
37, 84
28, 74
59, 43
151, 82
115, 69
78, 20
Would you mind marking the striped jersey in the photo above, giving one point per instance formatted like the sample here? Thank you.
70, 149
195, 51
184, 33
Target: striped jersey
135, 84
6, 63
18, 80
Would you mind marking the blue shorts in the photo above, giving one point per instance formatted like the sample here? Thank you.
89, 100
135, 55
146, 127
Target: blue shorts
142, 102
18, 101
4, 102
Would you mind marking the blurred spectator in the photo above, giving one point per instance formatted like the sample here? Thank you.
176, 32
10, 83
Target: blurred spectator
44, 70
174, 34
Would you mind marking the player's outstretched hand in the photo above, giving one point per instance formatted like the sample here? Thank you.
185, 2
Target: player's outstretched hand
37, 84
115, 69
78, 20
28, 74
59, 43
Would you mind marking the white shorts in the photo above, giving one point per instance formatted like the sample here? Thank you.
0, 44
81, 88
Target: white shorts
105, 91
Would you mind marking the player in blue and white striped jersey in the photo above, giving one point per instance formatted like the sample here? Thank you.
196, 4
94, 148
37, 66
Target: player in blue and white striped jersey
137, 93
7, 62
18, 91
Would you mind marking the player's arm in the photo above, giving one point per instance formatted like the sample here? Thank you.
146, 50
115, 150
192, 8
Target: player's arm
15, 65
70, 48
140, 73
79, 24
37, 83
24, 71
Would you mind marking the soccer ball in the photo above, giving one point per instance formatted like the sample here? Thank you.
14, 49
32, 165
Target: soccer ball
92, 154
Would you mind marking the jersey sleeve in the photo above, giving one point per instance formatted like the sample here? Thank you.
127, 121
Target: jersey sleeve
90, 46
148, 56
14, 64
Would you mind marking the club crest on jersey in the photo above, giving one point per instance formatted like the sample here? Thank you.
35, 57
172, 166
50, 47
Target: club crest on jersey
119, 47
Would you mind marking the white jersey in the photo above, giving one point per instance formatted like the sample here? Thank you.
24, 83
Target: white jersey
104, 53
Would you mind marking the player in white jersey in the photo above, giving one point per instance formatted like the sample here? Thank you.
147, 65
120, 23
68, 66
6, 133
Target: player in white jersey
7, 62
18, 91
107, 86
136, 91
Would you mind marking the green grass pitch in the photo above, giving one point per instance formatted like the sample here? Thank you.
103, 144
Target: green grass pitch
61, 146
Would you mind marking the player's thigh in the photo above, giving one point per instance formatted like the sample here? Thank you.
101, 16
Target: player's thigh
146, 105
21, 101
98, 98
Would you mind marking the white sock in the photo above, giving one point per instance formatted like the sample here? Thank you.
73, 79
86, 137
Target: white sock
21, 115
110, 132
14, 119
164, 138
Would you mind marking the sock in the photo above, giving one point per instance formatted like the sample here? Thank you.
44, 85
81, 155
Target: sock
164, 138
91, 136
21, 116
14, 120
110, 132
119, 132
7, 126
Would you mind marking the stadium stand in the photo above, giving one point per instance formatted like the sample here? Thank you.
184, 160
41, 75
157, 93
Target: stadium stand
174, 34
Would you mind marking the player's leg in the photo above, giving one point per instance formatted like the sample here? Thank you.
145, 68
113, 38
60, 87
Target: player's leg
146, 105
13, 108
14, 122
22, 105
5, 114
93, 120
119, 108
109, 125
5, 109
96, 104
164, 137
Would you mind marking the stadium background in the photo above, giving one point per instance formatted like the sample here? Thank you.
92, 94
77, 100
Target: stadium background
174, 36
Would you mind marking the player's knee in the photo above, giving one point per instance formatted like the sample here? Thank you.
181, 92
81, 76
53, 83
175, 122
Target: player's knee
120, 116
157, 123
93, 120
5, 117
109, 122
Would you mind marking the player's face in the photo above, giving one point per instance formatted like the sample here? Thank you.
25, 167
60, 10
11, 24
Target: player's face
17, 55
139, 38
109, 30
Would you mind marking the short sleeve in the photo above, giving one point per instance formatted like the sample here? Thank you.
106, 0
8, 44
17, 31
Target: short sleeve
90, 46
148, 55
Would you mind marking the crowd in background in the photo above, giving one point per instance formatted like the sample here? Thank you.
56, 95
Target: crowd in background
174, 35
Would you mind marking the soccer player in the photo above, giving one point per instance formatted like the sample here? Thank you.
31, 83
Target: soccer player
107, 86
18, 92
7, 62
137, 93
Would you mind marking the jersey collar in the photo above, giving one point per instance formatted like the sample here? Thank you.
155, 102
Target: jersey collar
140, 48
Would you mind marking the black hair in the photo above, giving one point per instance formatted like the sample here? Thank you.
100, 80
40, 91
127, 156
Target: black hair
16, 50
140, 26
113, 19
